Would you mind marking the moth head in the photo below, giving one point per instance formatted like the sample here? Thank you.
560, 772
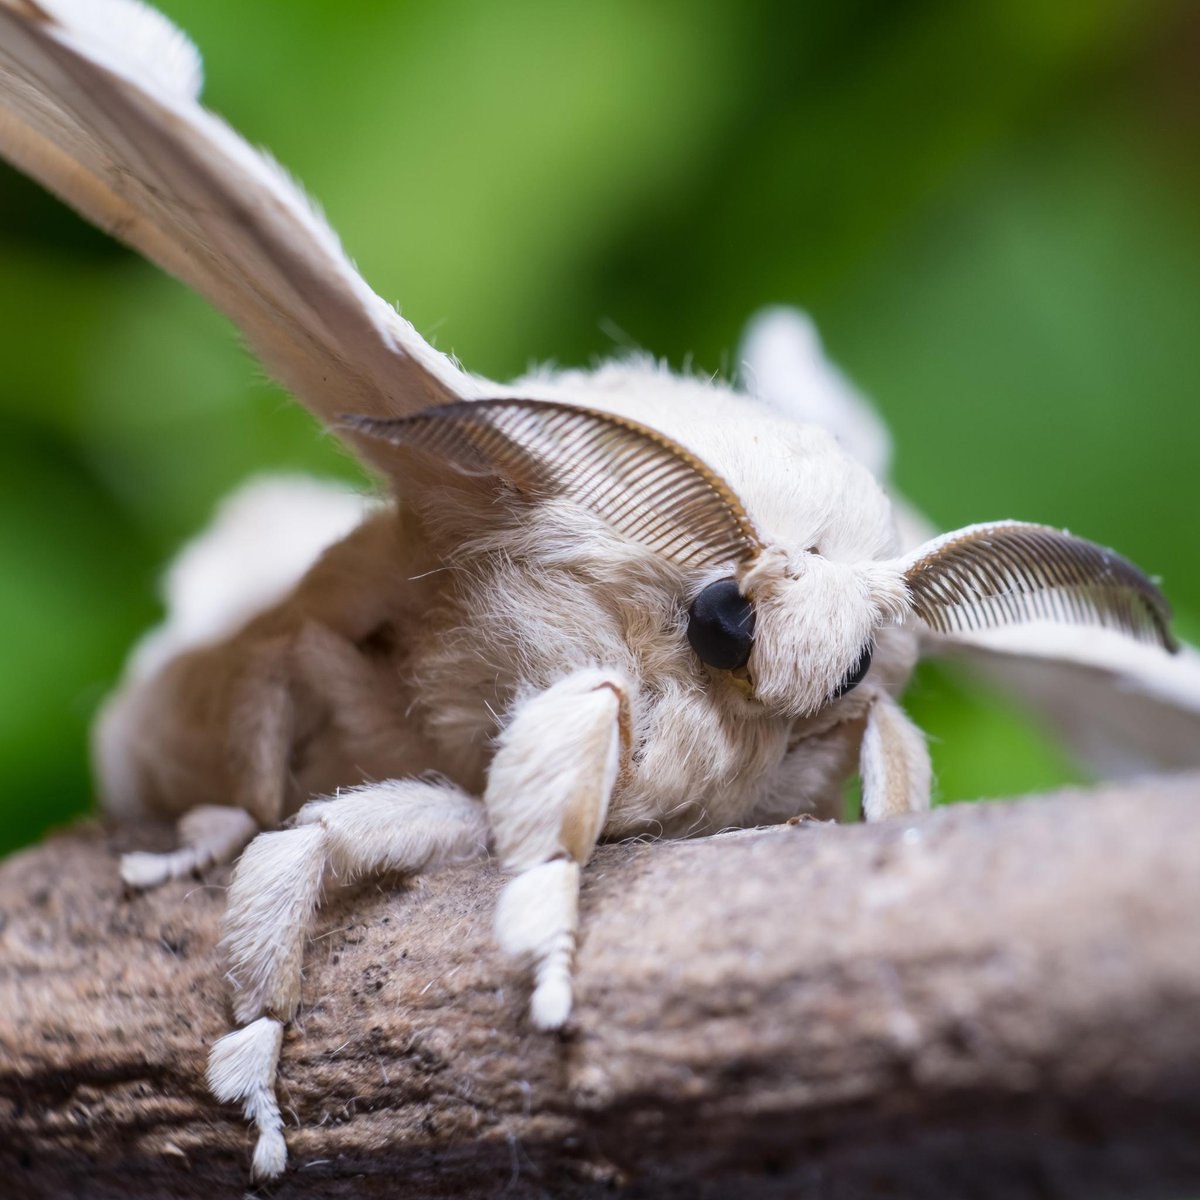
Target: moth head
787, 629
791, 628
818, 623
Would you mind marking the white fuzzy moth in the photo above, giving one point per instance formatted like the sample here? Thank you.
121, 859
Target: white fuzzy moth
592, 605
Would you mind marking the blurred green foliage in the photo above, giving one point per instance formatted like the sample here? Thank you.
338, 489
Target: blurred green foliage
991, 209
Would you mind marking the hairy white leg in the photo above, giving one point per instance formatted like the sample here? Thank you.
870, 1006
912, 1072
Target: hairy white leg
893, 762
208, 835
536, 918
405, 826
242, 1067
547, 798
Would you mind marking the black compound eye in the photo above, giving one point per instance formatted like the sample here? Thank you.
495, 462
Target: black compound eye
721, 625
857, 673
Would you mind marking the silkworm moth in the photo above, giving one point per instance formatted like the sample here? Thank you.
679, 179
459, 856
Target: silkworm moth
585, 605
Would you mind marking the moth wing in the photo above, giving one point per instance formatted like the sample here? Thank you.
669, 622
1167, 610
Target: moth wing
98, 102
783, 363
1125, 707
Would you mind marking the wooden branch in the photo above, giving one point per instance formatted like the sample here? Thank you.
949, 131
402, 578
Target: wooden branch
990, 1001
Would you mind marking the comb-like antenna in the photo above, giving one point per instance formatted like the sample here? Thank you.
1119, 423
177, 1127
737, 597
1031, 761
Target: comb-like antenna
643, 484
1009, 572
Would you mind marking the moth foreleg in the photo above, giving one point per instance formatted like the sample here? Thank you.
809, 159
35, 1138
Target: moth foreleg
893, 762
547, 798
403, 826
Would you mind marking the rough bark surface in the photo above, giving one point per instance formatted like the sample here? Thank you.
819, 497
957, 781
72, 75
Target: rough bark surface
994, 1000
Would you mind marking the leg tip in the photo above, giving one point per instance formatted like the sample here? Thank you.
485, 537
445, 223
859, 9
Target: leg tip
550, 1005
270, 1155
143, 871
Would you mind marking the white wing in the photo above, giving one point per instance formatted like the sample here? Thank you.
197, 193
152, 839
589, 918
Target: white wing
783, 364
98, 103
1127, 708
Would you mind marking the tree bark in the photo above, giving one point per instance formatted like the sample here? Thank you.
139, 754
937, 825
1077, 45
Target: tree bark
995, 1000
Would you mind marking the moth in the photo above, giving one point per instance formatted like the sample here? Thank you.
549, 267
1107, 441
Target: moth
586, 605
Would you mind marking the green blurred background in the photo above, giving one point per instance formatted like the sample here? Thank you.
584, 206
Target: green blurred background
992, 210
